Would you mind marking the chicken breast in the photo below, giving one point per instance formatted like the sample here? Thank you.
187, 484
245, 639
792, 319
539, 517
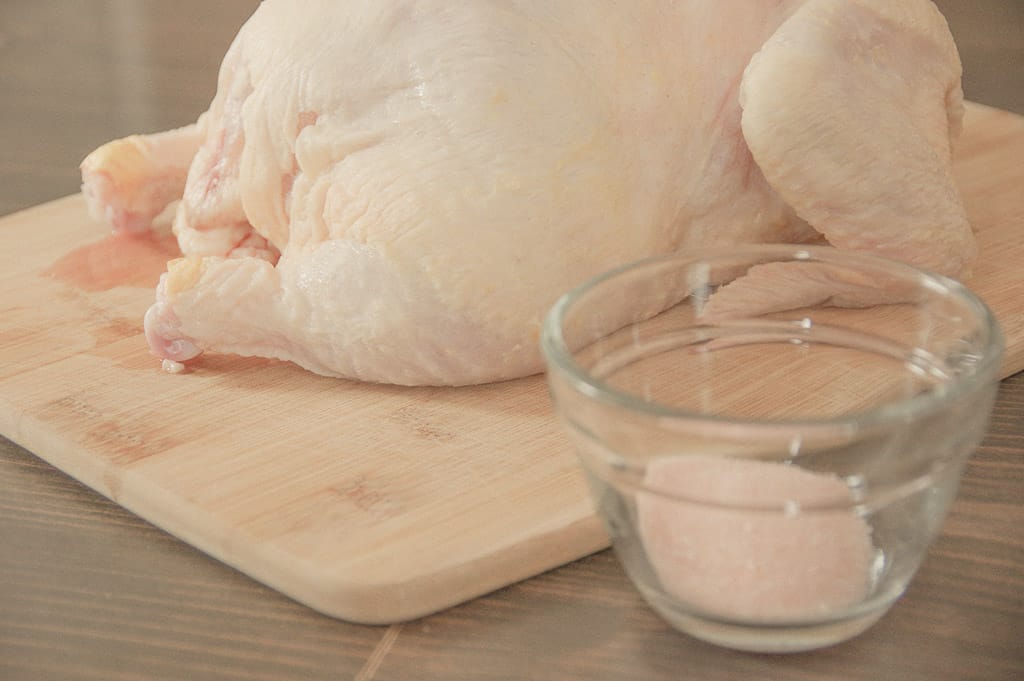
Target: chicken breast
397, 190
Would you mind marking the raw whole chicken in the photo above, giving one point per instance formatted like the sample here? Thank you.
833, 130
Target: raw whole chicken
397, 190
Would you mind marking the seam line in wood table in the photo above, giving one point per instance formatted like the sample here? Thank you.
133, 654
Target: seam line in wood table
381, 650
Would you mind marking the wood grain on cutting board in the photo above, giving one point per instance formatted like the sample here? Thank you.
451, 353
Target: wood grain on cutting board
369, 503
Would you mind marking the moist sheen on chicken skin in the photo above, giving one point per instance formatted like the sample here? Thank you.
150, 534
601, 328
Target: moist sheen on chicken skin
397, 190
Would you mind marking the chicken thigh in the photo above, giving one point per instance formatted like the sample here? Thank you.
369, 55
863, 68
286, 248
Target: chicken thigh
397, 190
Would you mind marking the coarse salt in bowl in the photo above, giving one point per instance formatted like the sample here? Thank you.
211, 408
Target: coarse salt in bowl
773, 435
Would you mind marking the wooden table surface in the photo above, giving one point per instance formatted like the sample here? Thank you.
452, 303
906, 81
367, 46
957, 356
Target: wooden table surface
89, 591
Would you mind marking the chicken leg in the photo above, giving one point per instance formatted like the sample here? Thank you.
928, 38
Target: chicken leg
850, 110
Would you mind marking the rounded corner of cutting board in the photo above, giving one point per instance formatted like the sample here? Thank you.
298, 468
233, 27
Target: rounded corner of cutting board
364, 592
358, 602
355, 599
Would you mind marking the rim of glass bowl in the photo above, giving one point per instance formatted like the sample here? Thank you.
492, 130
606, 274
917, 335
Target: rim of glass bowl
558, 354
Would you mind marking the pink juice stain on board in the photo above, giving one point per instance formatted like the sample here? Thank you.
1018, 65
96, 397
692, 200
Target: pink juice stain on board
722, 557
117, 260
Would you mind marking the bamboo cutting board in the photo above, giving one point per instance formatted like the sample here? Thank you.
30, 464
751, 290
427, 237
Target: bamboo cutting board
369, 503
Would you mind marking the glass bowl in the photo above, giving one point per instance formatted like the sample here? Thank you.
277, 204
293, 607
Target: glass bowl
773, 435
